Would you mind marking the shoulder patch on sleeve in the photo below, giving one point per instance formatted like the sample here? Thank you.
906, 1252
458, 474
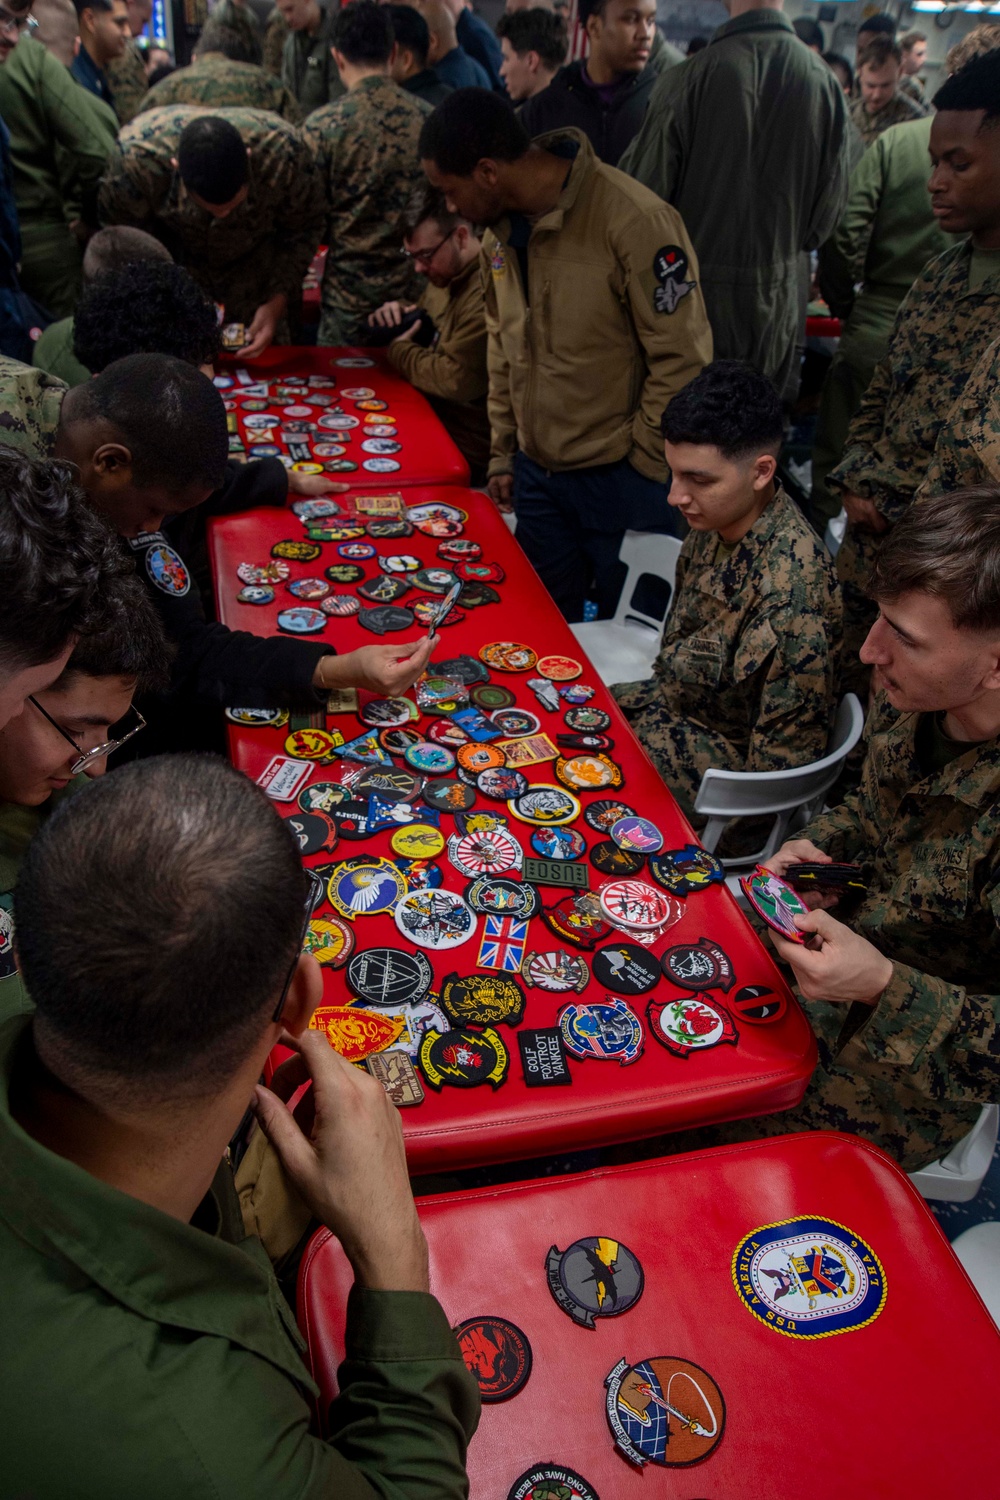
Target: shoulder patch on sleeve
670, 267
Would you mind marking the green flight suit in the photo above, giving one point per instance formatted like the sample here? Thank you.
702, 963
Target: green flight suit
60, 138
746, 675
885, 237
663, 55
307, 66
749, 141
53, 353
148, 1357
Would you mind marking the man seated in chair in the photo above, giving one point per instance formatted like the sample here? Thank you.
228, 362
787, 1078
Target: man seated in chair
160, 917
745, 676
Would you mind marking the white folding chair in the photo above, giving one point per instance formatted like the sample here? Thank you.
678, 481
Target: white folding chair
978, 1249
792, 796
958, 1176
625, 648
834, 534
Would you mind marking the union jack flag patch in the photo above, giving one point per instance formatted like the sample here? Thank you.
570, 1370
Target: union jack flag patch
503, 943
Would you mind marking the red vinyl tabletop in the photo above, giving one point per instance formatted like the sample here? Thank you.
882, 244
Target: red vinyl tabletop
768, 1067
427, 454
900, 1402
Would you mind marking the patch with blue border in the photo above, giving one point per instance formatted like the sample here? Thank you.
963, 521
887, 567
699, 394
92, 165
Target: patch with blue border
809, 1277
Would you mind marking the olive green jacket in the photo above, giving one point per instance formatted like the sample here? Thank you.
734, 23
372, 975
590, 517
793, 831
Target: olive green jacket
53, 353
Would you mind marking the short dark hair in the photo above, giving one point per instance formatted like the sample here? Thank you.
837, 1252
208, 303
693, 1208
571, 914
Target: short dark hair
98, 5
950, 547
426, 202
835, 60
57, 558
238, 44
879, 51
158, 912
119, 245
910, 40
212, 159
411, 31
880, 25
128, 641
148, 307
975, 86
809, 31
536, 30
587, 8
731, 406
170, 416
363, 32
469, 125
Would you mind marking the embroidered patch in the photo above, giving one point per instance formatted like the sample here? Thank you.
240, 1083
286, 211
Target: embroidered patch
809, 1277
670, 267
167, 571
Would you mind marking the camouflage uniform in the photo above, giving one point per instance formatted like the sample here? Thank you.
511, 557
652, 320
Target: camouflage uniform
307, 67
30, 403
261, 248
901, 107
128, 83
910, 85
745, 677
968, 448
940, 332
275, 36
214, 80
366, 149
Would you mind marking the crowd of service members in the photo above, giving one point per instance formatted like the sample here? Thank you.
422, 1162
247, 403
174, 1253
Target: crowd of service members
597, 271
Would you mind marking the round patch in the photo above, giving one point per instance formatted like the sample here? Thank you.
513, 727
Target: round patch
271, 572
556, 971
757, 1005
448, 796
498, 895
389, 976
508, 656
329, 450
311, 744
444, 732
426, 612
463, 669
400, 562
809, 1278
588, 773
334, 422
610, 1032
390, 783
387, 713
313, 832
435, 510
665, 1411
166, 570
558, 668
310, 589
462, 1059
384, 590
584, 717
379, 428
293, 551
435, 919
323, 796
459, 549
358, 392
626, 968
497, 1353
434, 580
354, 551
546, 1481
329, 941
370, 405
475, 758
502, 783
381, 465
490, 851
483, 999
301, 621
296, 411
479, 572
595, 1278
339, 466
558, 843
681, 871
319, 505
398, 741
304, 466
515, 723
491, 696
418, 841
432, 759
474, 595
637, 834
256, 422
340, 606
689, 1025
344, 572
576, 692
603, 815
610, 860
636, 903
255, 593
363, 886
698, 966
258, 718
545, 804
353, 362
380, 445
385, 618
775, 902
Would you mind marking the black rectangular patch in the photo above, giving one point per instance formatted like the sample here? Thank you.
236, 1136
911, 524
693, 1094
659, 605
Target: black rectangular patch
543, 1058
556, 872
299, 453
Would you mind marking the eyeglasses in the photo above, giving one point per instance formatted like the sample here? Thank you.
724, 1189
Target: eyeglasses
424, 257
88, 757
307, 917
16, 24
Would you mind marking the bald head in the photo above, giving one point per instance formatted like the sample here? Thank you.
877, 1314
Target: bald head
441, 25
58, 28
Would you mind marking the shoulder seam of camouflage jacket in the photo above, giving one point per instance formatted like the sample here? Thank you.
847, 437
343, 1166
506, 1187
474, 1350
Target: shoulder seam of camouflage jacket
216, 81
967, 451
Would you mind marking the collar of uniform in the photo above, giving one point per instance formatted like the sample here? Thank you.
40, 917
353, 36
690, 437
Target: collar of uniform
168, 1272
754, 20
580, 169
972, 778
371, 83
722, 581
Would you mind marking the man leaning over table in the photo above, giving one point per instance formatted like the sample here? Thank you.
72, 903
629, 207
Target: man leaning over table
148, 1349
902, 992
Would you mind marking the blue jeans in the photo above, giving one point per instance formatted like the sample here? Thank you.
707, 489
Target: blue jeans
571, 526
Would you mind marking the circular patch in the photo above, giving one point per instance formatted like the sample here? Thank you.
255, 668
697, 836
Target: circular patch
757, 1005
479, 572
323, 796
293, 551
399, 562
435, 919
610, 860
310, 589
501, 783
681, 871
305, 467
330, 941
489, 851
603, 815
610, 1032
381, 465
255, 593
440, 528
311, 744
256, 422
329, 450
556, 971
313, 832
433, 759
444, 732
665, 1411
515, 723
626, 968
296, 411
271, 572
380, 428
491, 696
475, 758
384, 590
547, 1481
558, 843
597, 1277
584, 717
344, 572
339, 466
689, 1025
301, 621
319, 505
698, 966
370, 405
258, 718
435, 510
340, 606
809, 1278
363, 886
426, 613
588, 773
387, 713
388, 529
775, 902
389, 976
385, 618
474, 595
559, 668
497, 1353
508, 656
380, 445
462, 1059
353, 362
638, 904
398, 741
498, 895
434, 580
167, 571
463, 669
545, 804
637, 834
390, 783
418, 841
459, 549
358, 392
448, 796
355, 551
334, 422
